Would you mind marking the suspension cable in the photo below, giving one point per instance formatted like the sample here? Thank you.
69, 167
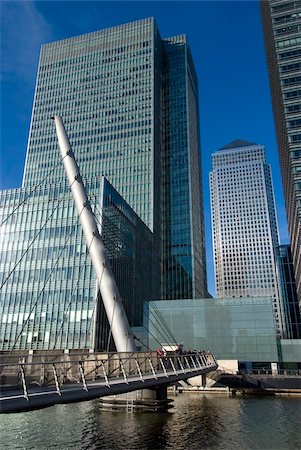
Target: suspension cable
33, 190
111, 324
148, 348
154, 337
165, 330
159, 332
73, 290
166, 333
94, 304
163, 325
34, 239
40, 294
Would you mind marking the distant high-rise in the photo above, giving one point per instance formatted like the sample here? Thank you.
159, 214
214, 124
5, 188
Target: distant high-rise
129, 101
244, 223
282, 32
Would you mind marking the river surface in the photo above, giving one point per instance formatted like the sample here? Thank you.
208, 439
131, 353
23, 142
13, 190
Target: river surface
197, 421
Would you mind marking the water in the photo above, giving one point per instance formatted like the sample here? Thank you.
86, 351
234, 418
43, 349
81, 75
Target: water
197, 421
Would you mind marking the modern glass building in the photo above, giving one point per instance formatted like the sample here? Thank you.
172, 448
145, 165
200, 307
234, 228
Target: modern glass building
244, 224
288, 292
50, 300
129, 100
281, 21
232, 328
184, 267
242, 329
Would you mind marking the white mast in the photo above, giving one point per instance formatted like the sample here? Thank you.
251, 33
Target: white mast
118, 321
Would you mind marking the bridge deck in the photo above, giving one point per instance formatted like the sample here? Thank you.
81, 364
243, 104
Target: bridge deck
160, 371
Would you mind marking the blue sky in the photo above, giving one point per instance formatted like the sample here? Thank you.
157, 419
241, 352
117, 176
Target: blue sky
226, 41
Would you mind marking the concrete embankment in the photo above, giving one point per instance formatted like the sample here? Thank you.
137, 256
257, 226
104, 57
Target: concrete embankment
253, 384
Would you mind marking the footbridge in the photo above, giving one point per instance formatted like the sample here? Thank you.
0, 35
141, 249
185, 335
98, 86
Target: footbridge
38, 381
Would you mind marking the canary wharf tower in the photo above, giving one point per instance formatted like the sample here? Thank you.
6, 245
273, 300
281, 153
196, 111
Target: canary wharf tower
129, 100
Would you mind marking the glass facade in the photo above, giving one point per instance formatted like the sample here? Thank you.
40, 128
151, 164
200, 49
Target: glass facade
184, 270
291, 353
103, 84
244, 224
236, 328
129, 102
281, 21
49, 301
287, 292
133, 256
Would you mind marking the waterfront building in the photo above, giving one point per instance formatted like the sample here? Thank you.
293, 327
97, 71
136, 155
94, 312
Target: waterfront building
50, 300
129, 101
288, 292
244, 224
282, 33
234, 329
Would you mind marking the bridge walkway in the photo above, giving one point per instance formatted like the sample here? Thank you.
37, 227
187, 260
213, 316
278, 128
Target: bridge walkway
38, 383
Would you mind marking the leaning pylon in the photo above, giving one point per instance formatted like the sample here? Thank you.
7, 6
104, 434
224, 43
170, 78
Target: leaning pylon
121, 331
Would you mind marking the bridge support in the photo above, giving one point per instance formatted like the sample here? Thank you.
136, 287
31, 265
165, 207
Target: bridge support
144, 400
121, 331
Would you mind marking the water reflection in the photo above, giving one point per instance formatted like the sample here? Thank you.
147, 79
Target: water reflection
197, 421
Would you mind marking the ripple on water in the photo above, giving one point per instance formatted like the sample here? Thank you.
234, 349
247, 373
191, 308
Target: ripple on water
196, 421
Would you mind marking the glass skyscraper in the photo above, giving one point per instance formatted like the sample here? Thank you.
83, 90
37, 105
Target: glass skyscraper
129, 101
184, 267
282, 33
244, 224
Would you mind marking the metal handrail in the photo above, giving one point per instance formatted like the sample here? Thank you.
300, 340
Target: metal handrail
114, 364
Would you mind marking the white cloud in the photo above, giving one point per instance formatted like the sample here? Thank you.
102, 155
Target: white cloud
23, 31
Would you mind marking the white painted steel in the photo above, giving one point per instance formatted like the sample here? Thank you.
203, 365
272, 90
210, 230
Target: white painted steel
118, 321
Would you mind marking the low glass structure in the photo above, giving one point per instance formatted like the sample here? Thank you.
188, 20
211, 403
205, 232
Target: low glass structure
237, 328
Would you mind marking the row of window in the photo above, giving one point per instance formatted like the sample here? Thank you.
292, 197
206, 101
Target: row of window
288, 42
288, 30
287, 18
290, 54
291, 81
295, 138
294, 123
133, 47
286, 6
293, 108
290, 67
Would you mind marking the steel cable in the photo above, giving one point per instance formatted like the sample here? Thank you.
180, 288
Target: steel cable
40, 293
34, 239
74, 289
32, 191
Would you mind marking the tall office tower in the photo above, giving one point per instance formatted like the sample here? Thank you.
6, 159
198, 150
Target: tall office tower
282, 33
287, 292
184, 263
244, 224
130, 104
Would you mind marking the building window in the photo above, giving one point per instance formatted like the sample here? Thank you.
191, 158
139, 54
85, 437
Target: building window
295, 138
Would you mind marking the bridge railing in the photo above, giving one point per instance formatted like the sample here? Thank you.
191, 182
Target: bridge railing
56, 370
